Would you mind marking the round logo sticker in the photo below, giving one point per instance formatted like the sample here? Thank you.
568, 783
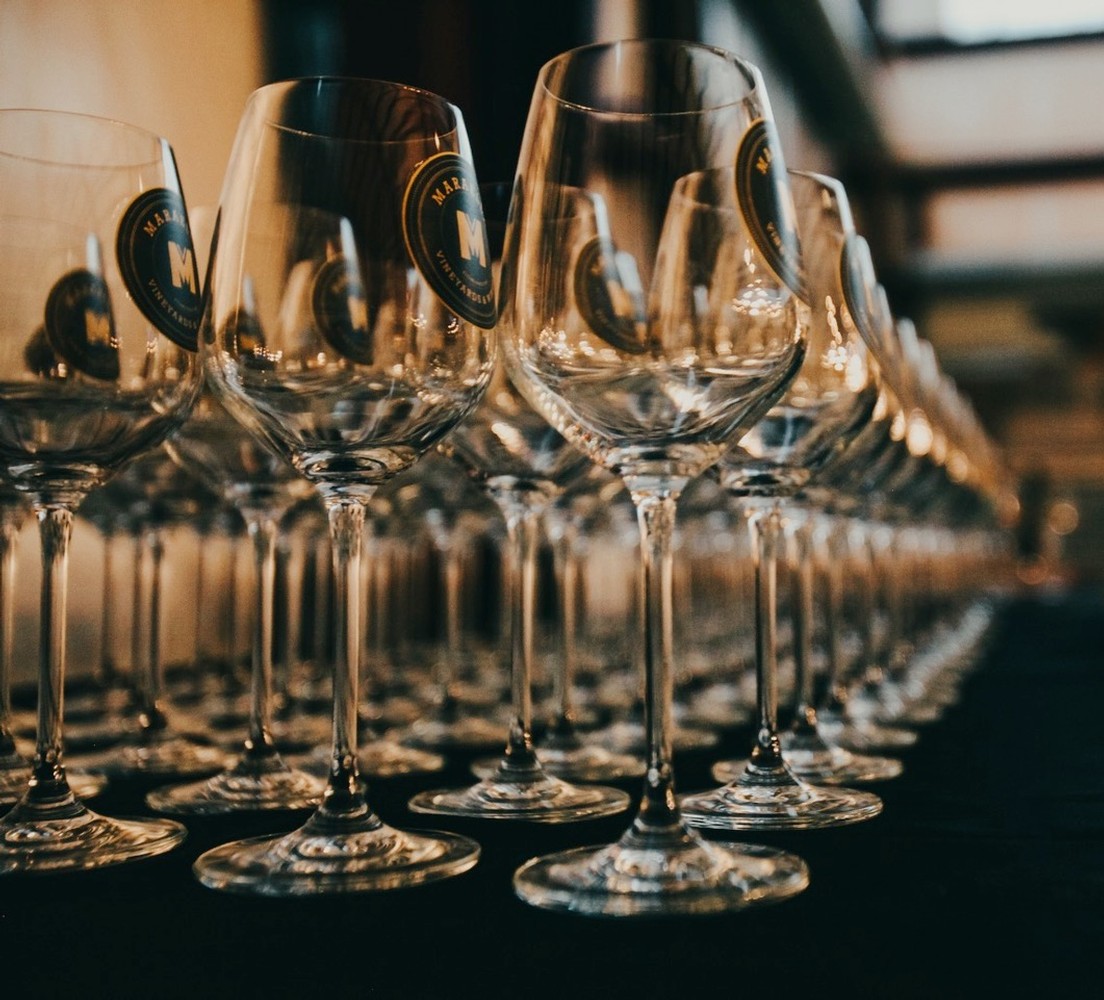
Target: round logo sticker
80, 326
598, 287
154, 247
341, 309
766, 206
446, 236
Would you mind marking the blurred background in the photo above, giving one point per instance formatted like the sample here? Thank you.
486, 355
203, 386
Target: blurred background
967, 132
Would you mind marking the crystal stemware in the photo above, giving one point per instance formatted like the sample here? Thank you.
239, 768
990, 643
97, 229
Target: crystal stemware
216, 449
348, 309
100, 304
822, 410
628, 324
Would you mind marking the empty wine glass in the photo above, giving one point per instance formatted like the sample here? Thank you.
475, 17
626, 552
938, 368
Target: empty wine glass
651, 340
523, 464
100, 305
156, 495
822, 410
351, 227
213, 447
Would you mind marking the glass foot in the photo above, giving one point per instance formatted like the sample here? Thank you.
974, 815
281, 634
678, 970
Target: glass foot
252, 784
829, 765
867, 735
586, 763
324, 856
388, 759
628, 737
523, 793
14, 778
776, 799
63, 835
675, 874
465, 734
170, 756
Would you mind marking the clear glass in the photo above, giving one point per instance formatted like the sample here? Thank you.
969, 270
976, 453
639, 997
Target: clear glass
154, 496
820, 413
91, 219
332, 335
214, 448
523, 464
651, 340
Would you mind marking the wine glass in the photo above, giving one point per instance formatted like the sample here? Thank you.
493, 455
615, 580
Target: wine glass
443, 501
214, 448
100, 304
350, 225
523, 464
820, 413
828, 442
651, 340
156, 495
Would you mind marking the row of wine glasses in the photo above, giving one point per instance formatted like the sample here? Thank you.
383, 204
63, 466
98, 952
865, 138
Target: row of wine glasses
655, 307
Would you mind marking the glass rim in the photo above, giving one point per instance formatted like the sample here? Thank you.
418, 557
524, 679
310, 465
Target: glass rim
837, 190
159, 145
304, 83
751, 71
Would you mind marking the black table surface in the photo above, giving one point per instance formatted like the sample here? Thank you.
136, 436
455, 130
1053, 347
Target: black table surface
983, 877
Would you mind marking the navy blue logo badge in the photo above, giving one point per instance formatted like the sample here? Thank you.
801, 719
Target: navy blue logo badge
608, 308
341, 309
80, 325
766, 204
157, 261
446, 236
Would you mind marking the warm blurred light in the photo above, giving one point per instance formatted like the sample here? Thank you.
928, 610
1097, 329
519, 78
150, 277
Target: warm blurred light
1063, 517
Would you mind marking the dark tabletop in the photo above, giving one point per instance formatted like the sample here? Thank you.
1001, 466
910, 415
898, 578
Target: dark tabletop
983, 877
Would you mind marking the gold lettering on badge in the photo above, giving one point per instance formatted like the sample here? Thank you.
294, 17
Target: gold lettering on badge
97, 328
472, 238
180, 267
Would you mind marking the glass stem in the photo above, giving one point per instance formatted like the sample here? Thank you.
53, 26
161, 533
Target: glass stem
150, 716
522, 515
107, 672
262, 529
291, 636
452, 574
48, 781
832, 554
764, 525
9, 529
656, 518
343, 798
799, 535
565, 566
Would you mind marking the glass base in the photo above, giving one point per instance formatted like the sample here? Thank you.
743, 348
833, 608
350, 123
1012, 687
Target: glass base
585, 763
776, 799
628, 737
387, 759
14, 776
866, 735
252, 784
377, 759
325, 856
168, 755
63, 835
828, 765
523, 793
462, 734
675, 874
